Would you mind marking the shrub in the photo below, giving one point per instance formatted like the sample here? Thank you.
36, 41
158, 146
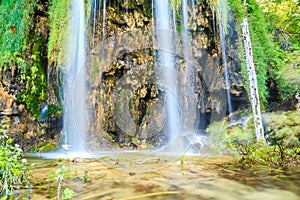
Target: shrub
282, 134
14, 169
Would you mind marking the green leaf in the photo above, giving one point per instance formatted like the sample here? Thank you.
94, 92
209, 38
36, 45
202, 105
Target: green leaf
68, 194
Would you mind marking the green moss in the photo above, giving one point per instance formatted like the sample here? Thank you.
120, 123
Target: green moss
36, 83
15, 22
14, 41
59, 14
50, 146
54, 110
14, 31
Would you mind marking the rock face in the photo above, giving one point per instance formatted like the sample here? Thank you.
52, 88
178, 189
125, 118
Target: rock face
126, 101
28, 131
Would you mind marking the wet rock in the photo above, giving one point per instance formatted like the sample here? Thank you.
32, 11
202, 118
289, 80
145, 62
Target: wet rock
125, 98
154, 121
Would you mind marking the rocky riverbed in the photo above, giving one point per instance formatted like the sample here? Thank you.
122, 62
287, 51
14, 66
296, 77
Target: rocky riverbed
152, 176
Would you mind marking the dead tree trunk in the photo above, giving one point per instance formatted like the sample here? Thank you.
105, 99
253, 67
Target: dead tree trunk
254, 97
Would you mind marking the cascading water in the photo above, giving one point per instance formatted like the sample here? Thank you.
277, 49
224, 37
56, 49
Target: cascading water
193, 135
173, 60
74, 86
223, 49
166, 66
187, 55
179, 79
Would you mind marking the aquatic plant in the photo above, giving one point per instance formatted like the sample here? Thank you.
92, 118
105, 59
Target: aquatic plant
68, 194
86, 176
62, 172
182, 160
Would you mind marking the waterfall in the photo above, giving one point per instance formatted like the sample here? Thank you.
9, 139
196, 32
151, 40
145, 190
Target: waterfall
74, 85
224, 59
174, 65
190, 75
166, 66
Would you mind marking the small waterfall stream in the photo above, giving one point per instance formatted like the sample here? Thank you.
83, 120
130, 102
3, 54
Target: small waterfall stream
74, 86
220, 11
166, 66
173, 63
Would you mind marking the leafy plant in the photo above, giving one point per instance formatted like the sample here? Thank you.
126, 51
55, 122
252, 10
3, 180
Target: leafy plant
86, 177
14, 170
68, 194
14, 44
182, 160
269, 57
282, 134
285, 15
14, 31
62, 172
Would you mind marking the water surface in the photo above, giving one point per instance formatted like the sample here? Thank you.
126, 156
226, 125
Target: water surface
138, 175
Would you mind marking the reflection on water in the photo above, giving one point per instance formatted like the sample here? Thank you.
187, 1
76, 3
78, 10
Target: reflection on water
157, 176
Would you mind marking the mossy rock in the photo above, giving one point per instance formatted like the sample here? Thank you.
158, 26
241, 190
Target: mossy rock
128, 4
48, 147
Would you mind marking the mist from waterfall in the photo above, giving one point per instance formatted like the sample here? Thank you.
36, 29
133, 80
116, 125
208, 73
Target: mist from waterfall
74, 82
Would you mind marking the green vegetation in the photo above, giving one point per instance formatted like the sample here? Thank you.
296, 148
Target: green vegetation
15, 42
285, 16
63, 172
269, 55
36, 83
283, 132
14, 170
48, 147
175, 4
86, 177
291, 71
60, 177
182, 160
15, 23
68, 194
14, 29
59, 14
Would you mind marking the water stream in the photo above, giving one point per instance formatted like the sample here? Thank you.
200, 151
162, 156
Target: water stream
222, 28
176, 77
166, 67
74, 87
